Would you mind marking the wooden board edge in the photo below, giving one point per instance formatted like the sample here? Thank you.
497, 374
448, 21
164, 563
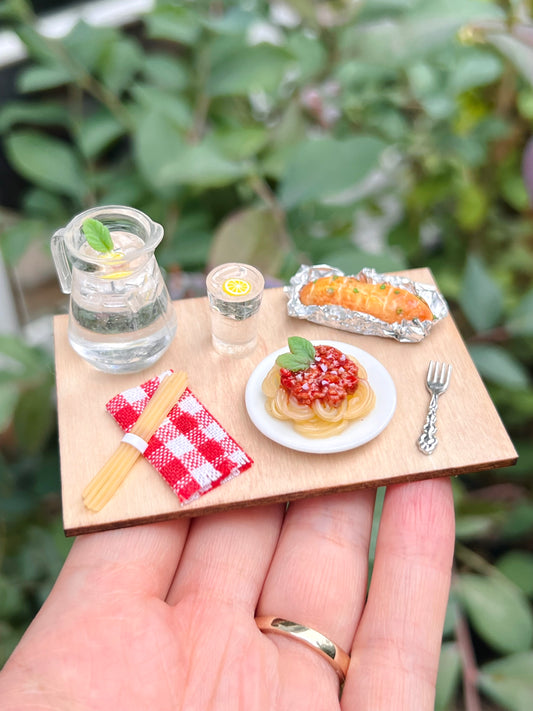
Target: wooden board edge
277, 499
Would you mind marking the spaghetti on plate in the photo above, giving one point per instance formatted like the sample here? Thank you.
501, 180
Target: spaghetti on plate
322, 398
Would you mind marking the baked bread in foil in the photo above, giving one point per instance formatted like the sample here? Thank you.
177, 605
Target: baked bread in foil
334, 316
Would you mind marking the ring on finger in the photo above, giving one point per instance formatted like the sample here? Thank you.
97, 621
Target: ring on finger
328, 650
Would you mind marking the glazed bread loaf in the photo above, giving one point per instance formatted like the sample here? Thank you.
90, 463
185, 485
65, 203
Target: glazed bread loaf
385, 302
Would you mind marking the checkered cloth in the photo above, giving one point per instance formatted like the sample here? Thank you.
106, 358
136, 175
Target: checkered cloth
190, 449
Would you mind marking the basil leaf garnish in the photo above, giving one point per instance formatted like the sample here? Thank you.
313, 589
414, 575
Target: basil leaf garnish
97, 235
302, 354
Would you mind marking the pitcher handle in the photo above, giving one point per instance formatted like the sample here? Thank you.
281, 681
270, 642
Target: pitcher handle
61, 262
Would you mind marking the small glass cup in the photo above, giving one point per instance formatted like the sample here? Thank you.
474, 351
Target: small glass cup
235, 291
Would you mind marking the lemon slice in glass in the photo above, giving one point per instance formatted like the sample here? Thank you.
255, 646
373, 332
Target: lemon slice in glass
236, 287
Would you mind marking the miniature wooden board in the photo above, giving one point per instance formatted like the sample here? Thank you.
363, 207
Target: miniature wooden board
471, 435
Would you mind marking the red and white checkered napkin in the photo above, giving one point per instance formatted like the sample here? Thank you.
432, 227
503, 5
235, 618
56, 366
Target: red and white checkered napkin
190, 449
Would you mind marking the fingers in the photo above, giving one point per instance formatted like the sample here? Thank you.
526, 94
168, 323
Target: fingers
131, 561
227, 557
318, 574
397, 645
321, 563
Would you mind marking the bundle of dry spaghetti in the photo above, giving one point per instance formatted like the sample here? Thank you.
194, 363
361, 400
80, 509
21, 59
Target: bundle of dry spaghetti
105, 484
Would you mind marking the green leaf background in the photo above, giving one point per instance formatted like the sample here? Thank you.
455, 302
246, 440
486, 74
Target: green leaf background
391, 135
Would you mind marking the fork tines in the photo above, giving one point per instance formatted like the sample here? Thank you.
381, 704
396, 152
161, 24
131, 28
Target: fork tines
439, 374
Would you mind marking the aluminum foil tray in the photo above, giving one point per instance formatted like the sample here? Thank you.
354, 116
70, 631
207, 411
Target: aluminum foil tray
356, 321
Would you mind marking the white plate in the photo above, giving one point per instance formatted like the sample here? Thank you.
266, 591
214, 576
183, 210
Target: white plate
357, 433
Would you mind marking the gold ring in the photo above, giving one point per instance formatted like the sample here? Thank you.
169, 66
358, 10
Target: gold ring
327, 649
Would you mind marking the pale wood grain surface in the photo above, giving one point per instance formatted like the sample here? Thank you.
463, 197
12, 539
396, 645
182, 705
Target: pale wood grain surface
471, 435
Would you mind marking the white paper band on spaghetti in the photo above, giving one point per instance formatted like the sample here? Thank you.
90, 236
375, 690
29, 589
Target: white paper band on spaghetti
135, 441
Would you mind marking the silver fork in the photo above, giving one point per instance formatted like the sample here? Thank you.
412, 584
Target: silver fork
437, 381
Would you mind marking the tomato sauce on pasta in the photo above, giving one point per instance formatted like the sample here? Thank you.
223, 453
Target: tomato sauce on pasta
322, 399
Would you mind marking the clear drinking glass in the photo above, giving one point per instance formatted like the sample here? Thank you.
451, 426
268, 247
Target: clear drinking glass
121, 318
235, 291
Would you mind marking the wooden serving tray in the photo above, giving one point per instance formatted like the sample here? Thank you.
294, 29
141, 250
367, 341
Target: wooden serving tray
471, 435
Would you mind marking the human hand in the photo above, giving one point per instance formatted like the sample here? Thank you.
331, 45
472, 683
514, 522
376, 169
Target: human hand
161, 617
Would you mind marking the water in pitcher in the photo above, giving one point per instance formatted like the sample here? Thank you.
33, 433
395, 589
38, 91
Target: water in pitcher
119, 315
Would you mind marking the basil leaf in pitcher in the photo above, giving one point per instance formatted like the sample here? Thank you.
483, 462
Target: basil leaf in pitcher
97, 235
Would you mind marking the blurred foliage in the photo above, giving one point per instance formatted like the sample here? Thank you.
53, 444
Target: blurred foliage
385, 133
32, 544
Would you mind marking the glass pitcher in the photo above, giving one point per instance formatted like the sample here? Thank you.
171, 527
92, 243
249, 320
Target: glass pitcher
121, 318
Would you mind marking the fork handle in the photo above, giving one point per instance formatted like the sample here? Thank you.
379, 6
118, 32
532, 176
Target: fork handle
428, 440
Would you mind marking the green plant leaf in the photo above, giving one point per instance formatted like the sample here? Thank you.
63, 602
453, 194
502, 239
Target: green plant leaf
43, 77
423, 29
41, 559
514, 190
168, 163
120, 63
517, 565
480, 298
88, 46
46, 161
45, 205
19, 360
202, 166
44, 113
291, 362
301, 347
302, 354
448, 676
325, 167
16, 239
166, 71
39, 47
498, 611
8, 400
157, 101
158, 143
475, 68
12, 602
171, 22
509, 681
520, 321
310, 54
248, 69
34, 417
97, 235
241, 142
450, 619
97, 132
251, 236
15, 10
351, 260
499, 366
189, 246
518, 52
471, 527
472, 206
520, 521
123, 186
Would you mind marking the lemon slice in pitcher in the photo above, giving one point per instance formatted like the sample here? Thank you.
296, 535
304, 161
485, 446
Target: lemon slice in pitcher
109, 258
236, 287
